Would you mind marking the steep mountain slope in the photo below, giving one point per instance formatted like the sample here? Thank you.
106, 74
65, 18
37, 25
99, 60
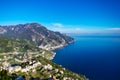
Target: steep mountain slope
35, 32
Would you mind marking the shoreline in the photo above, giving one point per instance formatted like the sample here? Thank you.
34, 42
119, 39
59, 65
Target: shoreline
62, 45
53, 50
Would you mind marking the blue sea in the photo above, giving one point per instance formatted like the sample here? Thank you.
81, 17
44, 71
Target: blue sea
96, 57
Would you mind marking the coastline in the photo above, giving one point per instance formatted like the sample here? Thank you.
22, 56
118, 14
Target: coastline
53, 50
61, 46
54, 54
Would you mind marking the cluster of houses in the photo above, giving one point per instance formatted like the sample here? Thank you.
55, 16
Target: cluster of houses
50, 47
23, 67
31, 65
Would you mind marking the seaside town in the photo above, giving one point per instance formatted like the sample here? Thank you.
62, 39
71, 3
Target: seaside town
34, 66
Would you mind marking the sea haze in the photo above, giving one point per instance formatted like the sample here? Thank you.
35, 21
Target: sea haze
97, 57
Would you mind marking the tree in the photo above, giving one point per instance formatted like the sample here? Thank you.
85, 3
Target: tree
4, 75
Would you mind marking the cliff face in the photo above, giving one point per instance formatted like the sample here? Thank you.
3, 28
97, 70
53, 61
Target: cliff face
37, 33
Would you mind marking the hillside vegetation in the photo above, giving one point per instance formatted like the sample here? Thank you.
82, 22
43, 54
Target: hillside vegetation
30, 61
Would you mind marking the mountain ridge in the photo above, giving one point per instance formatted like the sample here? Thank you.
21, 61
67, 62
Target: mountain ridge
37, 33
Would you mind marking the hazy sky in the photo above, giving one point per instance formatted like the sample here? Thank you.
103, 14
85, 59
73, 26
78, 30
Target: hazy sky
71, 16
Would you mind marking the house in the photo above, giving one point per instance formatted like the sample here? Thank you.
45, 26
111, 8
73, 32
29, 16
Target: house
5, 64
48, 66
14, 69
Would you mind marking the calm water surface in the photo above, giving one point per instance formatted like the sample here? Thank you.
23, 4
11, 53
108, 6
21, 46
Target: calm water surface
96, 57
